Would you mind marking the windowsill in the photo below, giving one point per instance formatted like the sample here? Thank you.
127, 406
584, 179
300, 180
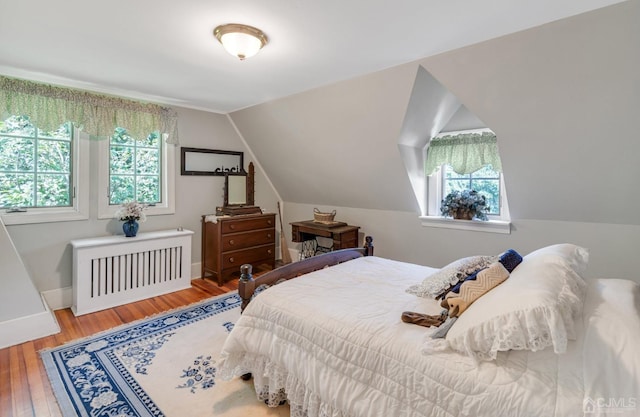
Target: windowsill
43, 216
489, 226
149, 211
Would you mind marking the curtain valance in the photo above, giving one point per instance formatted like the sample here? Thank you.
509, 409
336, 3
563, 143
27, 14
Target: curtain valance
466, 152
97, 114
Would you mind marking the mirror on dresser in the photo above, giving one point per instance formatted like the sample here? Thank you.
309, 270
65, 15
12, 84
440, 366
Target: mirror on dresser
239, 193
235, 190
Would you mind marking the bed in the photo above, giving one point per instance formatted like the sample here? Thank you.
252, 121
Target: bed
545, 342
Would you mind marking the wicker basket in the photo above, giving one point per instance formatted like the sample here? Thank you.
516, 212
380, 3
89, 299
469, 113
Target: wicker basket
321, 217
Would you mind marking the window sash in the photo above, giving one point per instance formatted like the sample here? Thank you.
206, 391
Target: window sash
79, 191
32, 171
133, 175
470, 179
166, 204
435, 191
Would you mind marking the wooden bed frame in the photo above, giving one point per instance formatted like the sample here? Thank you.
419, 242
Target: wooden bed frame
247, 284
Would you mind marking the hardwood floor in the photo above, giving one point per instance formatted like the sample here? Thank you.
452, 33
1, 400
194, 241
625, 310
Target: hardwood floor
24, 386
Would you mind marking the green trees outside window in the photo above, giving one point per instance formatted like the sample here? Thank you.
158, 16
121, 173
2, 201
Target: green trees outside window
134, 168
35, 166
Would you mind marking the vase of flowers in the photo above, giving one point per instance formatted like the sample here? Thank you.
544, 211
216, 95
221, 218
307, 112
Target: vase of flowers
465, 205
131, 213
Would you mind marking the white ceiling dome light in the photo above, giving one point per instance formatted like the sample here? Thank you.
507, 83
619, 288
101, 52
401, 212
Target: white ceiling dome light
239, 40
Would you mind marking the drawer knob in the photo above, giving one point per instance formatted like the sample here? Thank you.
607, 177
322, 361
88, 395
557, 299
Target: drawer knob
232, 242
269, 222
232, 226
269, 251
269, 235
231, 259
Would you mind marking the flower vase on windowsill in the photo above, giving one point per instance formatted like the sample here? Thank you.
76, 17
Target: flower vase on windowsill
130, 228
463, 215
465, 205
130, 213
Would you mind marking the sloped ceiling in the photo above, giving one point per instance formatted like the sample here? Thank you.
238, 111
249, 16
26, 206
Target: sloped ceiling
336, 145
562, 98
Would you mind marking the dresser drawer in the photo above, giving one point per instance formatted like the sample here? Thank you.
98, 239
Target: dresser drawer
233, 241
236, 241
242, 225
235, 259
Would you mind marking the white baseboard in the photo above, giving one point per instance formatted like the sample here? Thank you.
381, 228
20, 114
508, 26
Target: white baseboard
28, 328
195, 270
59, 298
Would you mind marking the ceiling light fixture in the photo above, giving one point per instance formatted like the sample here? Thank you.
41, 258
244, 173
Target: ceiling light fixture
240, 40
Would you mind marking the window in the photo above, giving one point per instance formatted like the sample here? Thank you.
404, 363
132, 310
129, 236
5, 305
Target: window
475, 153
35, 166
39, 173
136, 170
485, 181
98, 114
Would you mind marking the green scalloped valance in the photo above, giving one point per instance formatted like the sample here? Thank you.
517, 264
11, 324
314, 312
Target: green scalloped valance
97, 114
466, 152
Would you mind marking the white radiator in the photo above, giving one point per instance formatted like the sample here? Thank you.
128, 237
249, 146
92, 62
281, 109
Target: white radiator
115, 270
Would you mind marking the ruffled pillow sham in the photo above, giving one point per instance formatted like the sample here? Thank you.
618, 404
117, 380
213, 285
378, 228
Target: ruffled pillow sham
436, 284
533, 309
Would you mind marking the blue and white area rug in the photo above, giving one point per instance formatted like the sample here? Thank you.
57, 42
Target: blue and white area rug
165, 365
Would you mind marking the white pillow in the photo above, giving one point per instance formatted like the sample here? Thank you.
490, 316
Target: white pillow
533, 309
575, 257
436, 283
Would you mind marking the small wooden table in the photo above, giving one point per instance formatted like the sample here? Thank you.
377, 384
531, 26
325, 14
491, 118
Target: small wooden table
343, 236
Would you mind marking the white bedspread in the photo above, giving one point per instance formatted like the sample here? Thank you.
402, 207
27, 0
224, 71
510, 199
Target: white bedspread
334, 341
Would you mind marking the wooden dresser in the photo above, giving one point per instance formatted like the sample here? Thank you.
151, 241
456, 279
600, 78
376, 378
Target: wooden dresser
235, 240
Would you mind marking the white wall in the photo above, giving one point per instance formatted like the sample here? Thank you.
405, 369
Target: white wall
45, 248
399, 235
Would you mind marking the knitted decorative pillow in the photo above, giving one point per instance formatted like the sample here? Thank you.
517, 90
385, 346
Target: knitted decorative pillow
436, 284
472, 289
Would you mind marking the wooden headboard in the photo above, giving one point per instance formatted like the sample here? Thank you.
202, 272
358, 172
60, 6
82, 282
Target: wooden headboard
247, 284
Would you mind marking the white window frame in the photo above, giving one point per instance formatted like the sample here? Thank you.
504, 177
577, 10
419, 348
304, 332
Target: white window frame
168, 172
495, 224
79, 210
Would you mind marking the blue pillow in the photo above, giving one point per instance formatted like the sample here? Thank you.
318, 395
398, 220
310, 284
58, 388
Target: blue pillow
510, 259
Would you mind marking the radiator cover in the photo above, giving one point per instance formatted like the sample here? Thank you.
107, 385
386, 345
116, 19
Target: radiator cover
114, 270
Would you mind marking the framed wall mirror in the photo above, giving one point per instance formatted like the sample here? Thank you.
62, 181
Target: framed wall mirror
199, 161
